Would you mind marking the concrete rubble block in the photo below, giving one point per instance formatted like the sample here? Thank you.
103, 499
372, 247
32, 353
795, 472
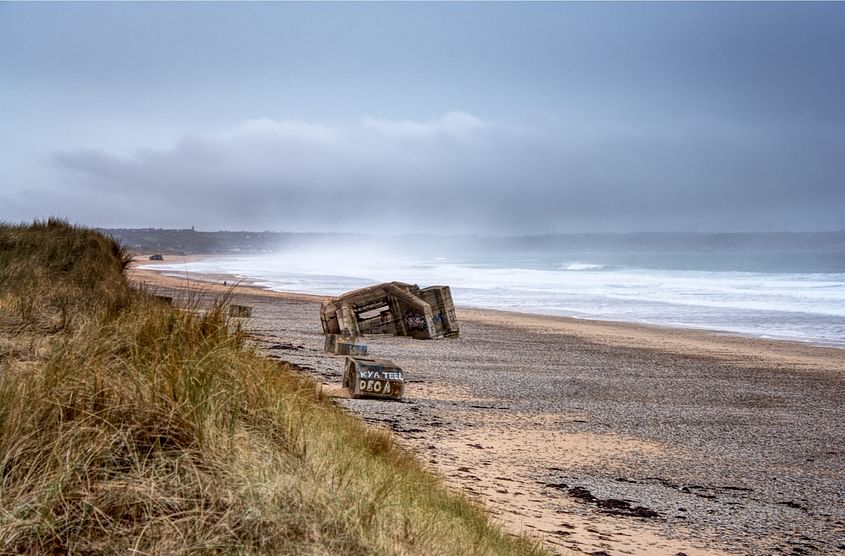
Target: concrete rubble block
373, 378
392, 308
345, 345
240, 311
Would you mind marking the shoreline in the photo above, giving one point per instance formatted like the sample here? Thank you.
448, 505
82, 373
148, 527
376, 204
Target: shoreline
249, 282
727, 345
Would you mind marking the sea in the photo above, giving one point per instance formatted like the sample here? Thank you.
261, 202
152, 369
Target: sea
769, 286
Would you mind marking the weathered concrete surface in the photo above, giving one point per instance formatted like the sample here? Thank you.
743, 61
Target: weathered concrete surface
392, 308
240, 311
373, 378
339, 344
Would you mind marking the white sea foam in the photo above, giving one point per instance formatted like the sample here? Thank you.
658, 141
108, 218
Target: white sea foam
800, 306
582, 266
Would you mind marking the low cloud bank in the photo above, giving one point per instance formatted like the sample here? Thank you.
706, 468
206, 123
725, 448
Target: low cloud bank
461, 173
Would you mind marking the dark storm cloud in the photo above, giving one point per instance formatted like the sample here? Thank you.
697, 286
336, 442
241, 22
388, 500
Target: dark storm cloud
458, 173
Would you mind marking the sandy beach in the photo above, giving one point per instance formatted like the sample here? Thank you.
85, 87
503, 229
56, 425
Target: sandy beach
601, 438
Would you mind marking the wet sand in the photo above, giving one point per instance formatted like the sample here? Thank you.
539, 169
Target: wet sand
602, 437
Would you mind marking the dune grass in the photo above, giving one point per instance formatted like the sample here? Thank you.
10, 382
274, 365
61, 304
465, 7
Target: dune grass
130, 426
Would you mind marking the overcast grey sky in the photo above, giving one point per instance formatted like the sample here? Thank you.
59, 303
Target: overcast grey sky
489, 118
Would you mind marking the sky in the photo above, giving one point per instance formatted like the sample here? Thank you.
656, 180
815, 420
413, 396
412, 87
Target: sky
387, 118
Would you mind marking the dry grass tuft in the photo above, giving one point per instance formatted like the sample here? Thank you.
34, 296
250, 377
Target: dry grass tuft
52, 271
130, 426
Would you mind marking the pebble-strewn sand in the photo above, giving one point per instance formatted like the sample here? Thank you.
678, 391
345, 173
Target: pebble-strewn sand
607, 437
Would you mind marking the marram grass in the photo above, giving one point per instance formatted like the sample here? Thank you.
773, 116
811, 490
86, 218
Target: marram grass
127, 426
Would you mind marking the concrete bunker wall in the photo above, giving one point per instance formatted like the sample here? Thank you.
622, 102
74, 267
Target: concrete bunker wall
392, 308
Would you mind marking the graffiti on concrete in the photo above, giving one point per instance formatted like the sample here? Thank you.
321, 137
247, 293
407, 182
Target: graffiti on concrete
378, 378
392, 308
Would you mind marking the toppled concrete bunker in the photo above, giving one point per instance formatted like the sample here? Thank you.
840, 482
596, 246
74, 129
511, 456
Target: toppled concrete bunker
392, 308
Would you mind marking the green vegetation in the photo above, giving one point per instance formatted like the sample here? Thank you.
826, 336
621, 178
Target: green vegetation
126, 425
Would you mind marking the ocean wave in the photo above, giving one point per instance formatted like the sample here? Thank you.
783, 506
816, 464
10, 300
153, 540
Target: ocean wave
582, 266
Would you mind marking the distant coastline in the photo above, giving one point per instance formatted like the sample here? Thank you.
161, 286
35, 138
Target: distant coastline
191, 242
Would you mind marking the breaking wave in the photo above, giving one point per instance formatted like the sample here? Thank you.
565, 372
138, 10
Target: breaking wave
583, 266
